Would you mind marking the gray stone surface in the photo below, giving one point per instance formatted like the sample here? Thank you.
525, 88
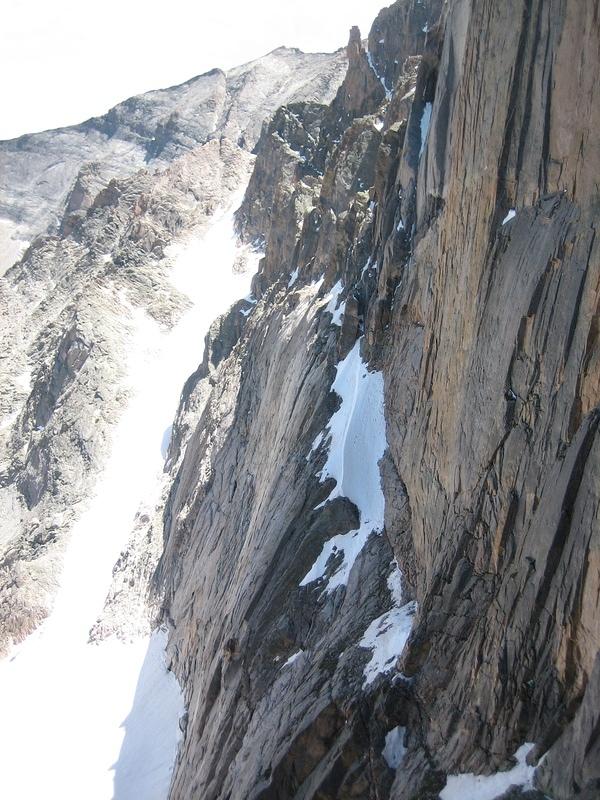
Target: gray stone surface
37, 171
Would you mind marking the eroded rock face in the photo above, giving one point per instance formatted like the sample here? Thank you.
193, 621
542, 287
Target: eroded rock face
487, 401
449, 207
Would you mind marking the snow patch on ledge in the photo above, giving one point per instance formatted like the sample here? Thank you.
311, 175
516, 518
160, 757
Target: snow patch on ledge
292, 658
488, 787
511, 215
316, 444
388, 633
394, 750
357, 442
425, 120
332, 305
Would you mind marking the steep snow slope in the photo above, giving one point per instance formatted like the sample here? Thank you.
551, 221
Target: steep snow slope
101, 718
355, 443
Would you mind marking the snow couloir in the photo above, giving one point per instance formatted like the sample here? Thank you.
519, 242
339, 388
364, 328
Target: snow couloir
101, 719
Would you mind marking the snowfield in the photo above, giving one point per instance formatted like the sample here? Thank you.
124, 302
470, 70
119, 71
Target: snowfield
489, 787
101, 720
387, 634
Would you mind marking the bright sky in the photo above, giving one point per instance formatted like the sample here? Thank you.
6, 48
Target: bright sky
62, 61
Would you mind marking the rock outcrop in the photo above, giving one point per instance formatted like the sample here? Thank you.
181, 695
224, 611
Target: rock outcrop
40, 172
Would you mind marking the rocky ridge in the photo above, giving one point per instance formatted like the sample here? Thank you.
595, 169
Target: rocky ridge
41, 172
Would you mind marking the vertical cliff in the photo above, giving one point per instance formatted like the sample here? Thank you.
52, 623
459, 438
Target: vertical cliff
426, 310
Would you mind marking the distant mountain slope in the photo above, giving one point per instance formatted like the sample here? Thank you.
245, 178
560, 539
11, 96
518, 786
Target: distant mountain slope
37, 171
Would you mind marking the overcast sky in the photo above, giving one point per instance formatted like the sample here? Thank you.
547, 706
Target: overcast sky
62, 61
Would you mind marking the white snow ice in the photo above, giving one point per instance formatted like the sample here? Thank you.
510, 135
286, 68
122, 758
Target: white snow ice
388, 94
357, 442
292, 658
12, 245
293, 278
100, 720
425, 120
511, 215
488, 787
388, 633
394, 750
332, 306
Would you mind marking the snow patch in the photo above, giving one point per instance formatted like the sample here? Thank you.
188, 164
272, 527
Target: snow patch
425, 120
317, 283
166, 441
202, 265
388, 633
332, 305
293, 278
511, 215
317, 441
388, 94
357, 442
292, 658
100, 720
487, 787
23, 381
8, 420
394, 750
367, 266
12, 244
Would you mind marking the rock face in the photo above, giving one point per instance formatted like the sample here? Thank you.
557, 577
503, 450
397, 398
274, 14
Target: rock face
441, 212
377, 552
